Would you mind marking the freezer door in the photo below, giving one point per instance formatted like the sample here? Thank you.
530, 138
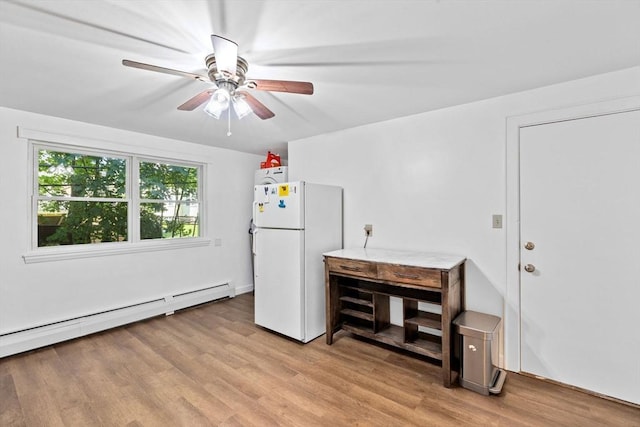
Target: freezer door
279, 205
278, 281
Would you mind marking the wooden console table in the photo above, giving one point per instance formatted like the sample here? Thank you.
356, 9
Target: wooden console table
359, 282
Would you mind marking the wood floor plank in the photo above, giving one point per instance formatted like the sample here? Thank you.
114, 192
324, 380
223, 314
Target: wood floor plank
211, 366
372, 384
10, 409
266, 362
233, 376
287, 413
248, 410
352, 411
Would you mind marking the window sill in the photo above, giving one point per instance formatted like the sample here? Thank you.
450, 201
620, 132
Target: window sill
59, 253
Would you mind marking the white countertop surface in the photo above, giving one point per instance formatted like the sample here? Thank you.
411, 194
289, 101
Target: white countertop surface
392, 256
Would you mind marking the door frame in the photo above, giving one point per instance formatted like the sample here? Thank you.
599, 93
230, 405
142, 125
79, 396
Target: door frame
511, 311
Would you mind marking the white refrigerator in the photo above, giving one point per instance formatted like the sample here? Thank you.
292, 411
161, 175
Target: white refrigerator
296, 222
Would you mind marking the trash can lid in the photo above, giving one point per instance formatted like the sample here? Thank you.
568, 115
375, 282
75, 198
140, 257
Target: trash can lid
477, 325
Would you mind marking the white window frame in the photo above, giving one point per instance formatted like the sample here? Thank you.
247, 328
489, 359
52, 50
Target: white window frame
136, 191
133, 244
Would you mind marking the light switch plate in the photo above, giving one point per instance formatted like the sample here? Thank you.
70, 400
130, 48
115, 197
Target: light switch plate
497, 221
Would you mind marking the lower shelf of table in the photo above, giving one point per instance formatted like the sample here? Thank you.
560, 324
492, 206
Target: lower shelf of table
394, 336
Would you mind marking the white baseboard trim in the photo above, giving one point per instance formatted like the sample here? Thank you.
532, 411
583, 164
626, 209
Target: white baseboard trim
244, 289
29, 339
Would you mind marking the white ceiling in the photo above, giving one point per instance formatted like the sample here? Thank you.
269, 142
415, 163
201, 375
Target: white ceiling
370, 60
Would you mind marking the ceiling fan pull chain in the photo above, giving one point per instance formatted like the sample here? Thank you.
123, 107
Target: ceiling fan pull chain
229, 122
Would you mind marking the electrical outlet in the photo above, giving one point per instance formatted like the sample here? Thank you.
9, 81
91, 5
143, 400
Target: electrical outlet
497, 221
217, 241
368, 230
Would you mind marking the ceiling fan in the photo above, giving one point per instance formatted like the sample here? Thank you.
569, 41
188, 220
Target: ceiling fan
226, 70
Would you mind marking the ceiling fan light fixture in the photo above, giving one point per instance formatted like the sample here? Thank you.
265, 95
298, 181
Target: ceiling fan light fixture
241, 107
218, 103
221, 97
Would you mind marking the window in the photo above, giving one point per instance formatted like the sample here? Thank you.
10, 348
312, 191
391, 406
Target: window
168, 201
84, 197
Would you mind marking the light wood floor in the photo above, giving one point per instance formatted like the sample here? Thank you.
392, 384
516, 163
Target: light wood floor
211, 365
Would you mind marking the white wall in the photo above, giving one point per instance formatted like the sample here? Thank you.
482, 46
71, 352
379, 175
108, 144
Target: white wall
40, 293
432, 181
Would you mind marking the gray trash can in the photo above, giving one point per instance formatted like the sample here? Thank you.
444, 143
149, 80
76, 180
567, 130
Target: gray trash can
479, 336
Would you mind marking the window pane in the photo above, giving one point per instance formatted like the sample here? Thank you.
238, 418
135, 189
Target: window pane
80, 175
73, 223
163, 181
169, 220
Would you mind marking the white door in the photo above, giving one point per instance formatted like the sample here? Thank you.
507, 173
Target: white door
278, 281
580, 207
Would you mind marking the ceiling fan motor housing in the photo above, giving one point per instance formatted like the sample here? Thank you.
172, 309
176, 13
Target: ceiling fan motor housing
222, 76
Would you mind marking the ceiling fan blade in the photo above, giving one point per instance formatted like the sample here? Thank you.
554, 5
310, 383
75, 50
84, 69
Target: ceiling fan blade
226, 53
149, 67
258, 107
48, 9
196, 101
304, 88
362, 63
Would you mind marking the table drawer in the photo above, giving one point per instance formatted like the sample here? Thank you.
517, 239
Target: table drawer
410, 275
352, 268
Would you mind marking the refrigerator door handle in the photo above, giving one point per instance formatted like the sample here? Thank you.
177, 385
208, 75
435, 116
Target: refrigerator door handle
253, 242
254, 212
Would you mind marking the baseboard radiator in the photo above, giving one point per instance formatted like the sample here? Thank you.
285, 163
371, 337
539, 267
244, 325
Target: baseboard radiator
40, 336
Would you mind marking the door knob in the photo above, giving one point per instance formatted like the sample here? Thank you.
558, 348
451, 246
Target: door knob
529, 268
529, 246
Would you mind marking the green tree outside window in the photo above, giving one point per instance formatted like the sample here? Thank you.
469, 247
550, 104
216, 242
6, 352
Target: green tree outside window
84, 199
